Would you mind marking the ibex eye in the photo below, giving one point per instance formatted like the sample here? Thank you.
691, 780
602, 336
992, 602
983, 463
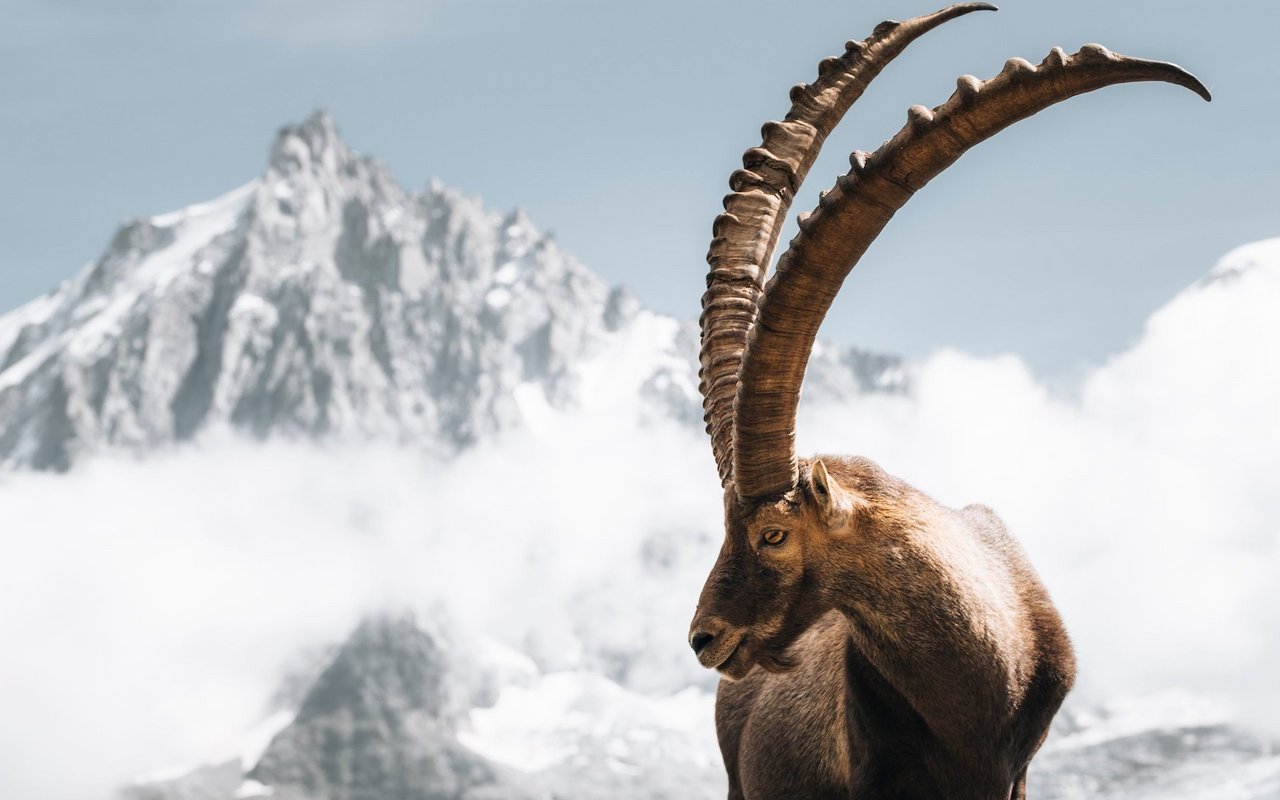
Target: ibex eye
775, 537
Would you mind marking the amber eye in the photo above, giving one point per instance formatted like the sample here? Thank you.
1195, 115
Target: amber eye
774, 537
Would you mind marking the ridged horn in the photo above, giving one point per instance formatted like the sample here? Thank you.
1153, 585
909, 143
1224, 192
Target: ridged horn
852, 214
744, 236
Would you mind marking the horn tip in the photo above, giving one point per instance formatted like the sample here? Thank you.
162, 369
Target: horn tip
1193, 83
1172, 73
960, 9
1161, 70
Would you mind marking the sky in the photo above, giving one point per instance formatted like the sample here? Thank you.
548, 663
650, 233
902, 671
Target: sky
616, 125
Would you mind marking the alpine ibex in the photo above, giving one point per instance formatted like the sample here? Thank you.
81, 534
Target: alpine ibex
876, 644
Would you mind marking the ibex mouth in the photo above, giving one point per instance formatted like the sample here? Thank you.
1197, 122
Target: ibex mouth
731, 666
720, 649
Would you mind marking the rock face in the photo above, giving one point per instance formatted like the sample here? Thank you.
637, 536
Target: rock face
323, 299
380, 724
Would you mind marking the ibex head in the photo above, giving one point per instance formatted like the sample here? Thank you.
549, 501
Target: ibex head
791, 523
775, 571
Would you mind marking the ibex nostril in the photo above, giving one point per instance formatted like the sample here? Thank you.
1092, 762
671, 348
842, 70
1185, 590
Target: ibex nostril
700, 641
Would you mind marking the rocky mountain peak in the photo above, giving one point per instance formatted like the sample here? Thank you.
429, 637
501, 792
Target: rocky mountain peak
387, 664
379, 722
313, 143
323, 299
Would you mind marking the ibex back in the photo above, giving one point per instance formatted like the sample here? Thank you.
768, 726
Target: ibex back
874, 643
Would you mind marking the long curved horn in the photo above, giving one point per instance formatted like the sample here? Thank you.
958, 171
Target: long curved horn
849, 217
745, 235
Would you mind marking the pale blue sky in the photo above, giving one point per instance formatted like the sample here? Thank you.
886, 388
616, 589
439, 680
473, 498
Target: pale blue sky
617, 125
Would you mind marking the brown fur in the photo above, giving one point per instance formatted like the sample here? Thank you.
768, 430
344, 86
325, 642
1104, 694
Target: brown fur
889, 647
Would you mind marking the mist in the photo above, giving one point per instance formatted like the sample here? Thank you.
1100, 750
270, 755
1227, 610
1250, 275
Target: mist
150, 607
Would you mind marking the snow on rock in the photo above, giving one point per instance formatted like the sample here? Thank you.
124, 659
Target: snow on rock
561, 716
252, 788
394, 714
378, 721
1168, 746
323, 299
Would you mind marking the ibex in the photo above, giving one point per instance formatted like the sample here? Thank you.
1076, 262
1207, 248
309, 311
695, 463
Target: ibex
874, 643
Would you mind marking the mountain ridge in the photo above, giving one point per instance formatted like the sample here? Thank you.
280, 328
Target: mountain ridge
322, 299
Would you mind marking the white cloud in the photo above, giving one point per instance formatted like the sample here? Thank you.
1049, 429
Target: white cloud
1151, 505
149, 607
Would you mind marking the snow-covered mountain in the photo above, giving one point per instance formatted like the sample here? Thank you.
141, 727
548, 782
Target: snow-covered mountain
394, 715
322, 299
399, 712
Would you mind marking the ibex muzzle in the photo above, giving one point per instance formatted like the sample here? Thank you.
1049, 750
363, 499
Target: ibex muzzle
905, 649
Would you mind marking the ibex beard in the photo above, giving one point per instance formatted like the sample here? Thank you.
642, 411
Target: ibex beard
875, 644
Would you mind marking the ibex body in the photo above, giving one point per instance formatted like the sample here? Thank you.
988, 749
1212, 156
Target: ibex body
927, 659
875, 644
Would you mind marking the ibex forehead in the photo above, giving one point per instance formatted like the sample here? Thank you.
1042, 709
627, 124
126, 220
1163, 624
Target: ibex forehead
780, 509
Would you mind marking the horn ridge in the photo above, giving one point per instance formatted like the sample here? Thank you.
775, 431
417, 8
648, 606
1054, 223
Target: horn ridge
746, 234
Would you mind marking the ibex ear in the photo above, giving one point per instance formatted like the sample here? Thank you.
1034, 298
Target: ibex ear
836, 503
